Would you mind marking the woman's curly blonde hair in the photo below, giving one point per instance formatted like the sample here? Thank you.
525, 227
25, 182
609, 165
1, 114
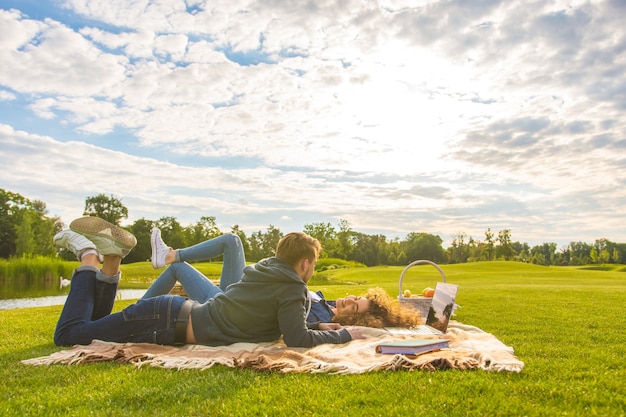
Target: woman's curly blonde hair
383, 311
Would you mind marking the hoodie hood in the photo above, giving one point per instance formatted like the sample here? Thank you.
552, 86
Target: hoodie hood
271, 270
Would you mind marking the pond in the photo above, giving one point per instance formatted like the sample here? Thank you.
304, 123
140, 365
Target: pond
23, 293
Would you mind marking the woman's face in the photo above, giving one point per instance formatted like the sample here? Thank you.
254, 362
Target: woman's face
352, 304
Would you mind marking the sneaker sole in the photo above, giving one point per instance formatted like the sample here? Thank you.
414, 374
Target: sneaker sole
153, 245
96, 226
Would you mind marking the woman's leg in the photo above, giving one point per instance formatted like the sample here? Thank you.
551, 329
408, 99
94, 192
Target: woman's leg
197, 286
227, 244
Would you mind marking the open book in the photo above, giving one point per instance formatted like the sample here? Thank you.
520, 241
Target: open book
412, 346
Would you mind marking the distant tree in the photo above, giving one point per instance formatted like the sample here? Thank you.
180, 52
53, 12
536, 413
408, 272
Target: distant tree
262, 245
543, 254
424, 246
11, 207
270, 240
25, 228
580, 253
142, 229
369, 249
325, 234
594, 255
616, 257
345, 240
255, 247
605, 256
108, 208
25, 239
458, 252
204, 229
488, 252
172, 232
504, 249
242, 236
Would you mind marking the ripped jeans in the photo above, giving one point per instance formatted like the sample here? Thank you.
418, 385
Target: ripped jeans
197, 286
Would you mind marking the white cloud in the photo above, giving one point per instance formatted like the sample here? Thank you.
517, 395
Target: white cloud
6, 96
400, 116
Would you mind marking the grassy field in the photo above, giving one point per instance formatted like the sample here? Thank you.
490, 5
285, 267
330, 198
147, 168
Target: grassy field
567, 325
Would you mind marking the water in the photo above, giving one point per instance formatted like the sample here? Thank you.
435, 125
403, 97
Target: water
53, 300
24, 293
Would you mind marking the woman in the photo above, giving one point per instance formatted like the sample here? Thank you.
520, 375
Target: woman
374, 309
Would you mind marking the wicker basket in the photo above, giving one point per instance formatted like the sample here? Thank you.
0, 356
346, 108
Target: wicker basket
419, 303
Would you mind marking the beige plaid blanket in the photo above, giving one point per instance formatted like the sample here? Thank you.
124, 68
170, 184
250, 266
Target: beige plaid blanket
470, 348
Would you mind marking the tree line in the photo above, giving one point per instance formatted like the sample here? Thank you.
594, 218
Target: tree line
27, 230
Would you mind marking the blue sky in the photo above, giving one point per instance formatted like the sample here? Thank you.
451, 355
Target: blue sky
442, 117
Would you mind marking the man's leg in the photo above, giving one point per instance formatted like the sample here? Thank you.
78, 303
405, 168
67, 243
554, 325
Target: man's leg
86, 252
148, 321
106, 287
151, 321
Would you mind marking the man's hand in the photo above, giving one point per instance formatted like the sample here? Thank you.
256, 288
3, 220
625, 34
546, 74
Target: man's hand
355, 333
330, 326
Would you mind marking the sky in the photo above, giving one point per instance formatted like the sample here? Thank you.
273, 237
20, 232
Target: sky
441, 117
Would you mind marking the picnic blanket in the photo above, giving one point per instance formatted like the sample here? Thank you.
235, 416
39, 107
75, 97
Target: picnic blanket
470, 348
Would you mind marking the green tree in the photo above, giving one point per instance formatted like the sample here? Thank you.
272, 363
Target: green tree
25, 239
142, 229
580, 253
25, 228
244, 239
369, 249
595, 257
345, 240
459, 251
204, 229
172, 232
504, 249
263, 245
11, 208
325, 233
255, 247
616, 256
425, 246
270, 240
543, 254
109, 208
488, 252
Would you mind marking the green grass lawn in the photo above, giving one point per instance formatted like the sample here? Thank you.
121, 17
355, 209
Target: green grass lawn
567, 324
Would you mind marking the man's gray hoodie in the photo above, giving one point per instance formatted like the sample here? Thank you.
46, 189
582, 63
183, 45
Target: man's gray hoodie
269, 301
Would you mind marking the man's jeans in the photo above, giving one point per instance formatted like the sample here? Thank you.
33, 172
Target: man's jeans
86, 315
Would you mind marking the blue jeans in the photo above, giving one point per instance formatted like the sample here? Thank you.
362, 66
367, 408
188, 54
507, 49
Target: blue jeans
197, 286
86, 315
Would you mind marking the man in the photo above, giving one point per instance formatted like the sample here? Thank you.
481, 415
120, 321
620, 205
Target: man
269, 300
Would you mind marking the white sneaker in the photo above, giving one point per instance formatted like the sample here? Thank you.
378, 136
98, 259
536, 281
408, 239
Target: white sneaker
72, 241
159, 249
108, 238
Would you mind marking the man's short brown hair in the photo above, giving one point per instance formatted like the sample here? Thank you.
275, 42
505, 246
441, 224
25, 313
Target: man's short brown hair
296, 246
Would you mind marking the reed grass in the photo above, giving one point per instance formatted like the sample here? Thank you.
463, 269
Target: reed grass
35, 268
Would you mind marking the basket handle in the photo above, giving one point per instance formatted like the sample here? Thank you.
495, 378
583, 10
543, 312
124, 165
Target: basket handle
420, 262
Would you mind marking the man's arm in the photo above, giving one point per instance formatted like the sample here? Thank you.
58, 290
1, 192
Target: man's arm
291, 320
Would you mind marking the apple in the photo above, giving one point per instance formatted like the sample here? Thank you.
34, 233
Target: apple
428, 292
407, 293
